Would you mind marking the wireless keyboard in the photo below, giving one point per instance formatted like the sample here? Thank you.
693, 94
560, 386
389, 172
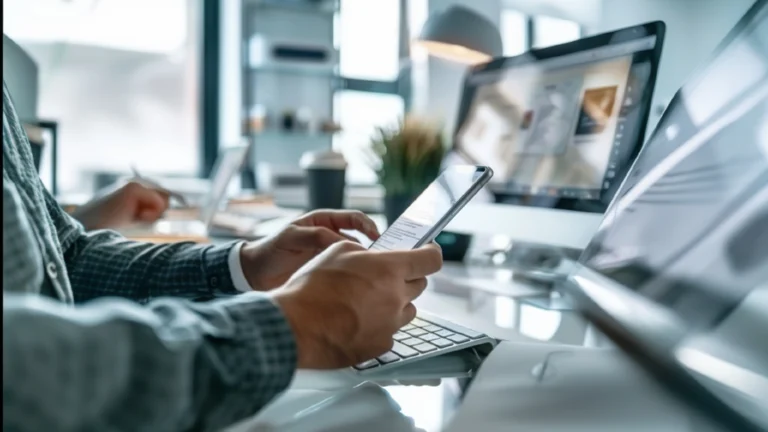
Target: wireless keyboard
425, 337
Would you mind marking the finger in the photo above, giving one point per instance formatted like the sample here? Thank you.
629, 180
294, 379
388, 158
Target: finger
149, 215
350, 238
407, 315
315, 237
416, 263
147, 197
337, 220
416, 287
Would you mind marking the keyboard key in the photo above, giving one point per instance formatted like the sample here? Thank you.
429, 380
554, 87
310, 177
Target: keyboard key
400, 336
442, 343
388, 357
407, 327
465, 331
433, 328
425, 347
416, 332
428, 337
419, 323
403, 351
411, 341
458, 338
445, 333
367, 364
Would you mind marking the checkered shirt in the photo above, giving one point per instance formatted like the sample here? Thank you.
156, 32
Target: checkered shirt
101, 334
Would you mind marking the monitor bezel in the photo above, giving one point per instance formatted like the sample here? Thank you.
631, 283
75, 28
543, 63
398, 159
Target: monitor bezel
653, 28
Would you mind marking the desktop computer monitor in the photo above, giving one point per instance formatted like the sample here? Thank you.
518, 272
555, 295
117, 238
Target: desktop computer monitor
560, 127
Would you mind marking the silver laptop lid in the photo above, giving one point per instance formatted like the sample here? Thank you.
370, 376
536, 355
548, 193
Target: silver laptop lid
685, 241
229, 163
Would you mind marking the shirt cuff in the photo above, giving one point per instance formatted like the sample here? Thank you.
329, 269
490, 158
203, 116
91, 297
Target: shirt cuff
236, 269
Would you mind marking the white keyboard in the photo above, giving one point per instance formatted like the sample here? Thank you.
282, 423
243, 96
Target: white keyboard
425, 337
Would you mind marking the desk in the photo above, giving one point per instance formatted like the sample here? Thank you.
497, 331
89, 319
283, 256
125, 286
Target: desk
405, 407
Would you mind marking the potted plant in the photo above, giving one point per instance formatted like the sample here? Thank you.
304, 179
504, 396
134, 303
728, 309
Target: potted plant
407, 157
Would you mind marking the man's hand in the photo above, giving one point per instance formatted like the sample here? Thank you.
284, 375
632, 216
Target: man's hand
131, 203
347, 303
270, 263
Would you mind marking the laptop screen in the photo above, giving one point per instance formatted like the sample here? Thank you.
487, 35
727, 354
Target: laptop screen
689, 226
684, 243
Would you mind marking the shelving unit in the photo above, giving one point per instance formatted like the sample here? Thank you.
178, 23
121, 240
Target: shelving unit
294, 86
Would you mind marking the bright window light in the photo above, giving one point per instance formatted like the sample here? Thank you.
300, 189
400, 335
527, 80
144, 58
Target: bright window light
548, 31
368, 34
118, 24
514, 32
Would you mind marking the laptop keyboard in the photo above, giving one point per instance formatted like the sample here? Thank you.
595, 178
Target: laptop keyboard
424, 337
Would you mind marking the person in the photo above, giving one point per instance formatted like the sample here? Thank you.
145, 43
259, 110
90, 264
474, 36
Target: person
99, 332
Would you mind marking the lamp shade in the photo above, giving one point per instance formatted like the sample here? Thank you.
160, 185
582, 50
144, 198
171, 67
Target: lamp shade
460, 34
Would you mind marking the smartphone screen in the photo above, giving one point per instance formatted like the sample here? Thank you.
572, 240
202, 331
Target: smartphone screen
434, 208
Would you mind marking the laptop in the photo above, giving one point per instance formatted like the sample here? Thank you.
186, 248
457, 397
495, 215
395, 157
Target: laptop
677, 274
209, 219
622, 63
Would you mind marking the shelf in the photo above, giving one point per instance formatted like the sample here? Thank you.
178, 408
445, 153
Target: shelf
292, 135
325, 7
296, 70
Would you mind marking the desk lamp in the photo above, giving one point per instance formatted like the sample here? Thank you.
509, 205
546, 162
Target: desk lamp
462, 35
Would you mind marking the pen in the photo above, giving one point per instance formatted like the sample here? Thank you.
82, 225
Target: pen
150, 183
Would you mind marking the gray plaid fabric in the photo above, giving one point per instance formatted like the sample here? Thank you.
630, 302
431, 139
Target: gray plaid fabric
113, 364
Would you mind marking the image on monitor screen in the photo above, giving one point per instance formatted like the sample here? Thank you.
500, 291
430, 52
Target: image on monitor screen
559, 127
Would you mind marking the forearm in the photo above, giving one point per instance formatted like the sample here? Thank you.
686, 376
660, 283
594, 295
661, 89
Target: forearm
113, 365
104, 263
144, 271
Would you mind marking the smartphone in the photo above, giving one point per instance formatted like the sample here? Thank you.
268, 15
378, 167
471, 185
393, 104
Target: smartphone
423, 220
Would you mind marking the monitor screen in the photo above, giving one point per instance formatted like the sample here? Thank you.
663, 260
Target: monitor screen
560, 126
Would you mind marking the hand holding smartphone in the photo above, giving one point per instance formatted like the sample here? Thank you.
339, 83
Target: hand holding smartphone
431, 212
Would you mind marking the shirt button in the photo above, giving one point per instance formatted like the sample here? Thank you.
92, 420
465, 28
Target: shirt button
51, 269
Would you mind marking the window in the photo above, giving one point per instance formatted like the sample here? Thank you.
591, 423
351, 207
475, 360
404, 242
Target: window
359, 114
548, 31
521, 32
514, 32
121, 97
368, 35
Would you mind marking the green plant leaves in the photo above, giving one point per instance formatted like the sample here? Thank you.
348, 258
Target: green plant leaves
406, 156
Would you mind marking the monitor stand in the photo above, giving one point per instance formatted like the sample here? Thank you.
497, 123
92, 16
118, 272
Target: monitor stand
539, 265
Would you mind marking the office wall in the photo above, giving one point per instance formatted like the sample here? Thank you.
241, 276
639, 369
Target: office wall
694, 28
445, 78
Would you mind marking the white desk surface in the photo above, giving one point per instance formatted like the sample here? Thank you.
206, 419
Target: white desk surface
349, 404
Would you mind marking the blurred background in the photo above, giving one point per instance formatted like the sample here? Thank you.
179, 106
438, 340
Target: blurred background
162, 85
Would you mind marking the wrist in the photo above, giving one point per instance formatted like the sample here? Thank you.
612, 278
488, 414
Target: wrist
290, 306
250, 257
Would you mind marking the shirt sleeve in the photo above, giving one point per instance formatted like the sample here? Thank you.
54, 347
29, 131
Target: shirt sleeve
115, 365
104, 263
236, 269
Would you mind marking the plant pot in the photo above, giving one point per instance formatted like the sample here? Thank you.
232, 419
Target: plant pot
395, 205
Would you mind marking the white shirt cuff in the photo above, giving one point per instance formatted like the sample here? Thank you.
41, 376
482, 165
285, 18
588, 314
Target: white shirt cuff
236, 269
